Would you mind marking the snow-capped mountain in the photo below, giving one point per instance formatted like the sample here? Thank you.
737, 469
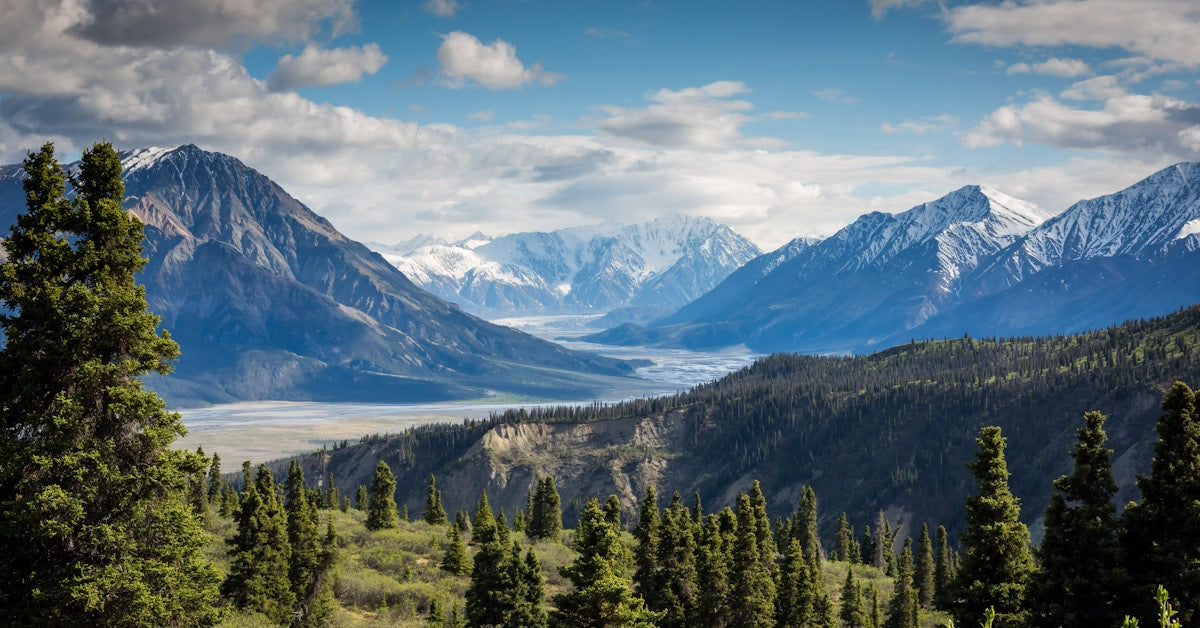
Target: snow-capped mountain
269, 301
882, 274
660, 264
975, 261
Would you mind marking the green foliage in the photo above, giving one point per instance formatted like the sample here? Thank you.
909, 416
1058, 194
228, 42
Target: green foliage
996, 563
676, 561
434, 513
214, 480
844, 547
854, 612
1082, 568
902, 609
381, 504
646, 575
1163, 528
545, 518
455, 560
751, 587
360, 498
943, 571
924, 569
91, 495
602, 594
260, 553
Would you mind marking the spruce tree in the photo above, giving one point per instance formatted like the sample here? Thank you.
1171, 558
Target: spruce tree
434, 513
91, 493
490, 594
794, 594
1081, 564
996, 564
602, 594
646, 579
902, 609
1163, 530
677, 567
943, 571
381, 512
806, 527
528, 590
751, 586
713, 566
214, 480
360, 498
612, 511
311, 554
845, 539
853, 611
881, 544
455, 560
923, 569
198, 490
866, 547
332, 499
261, 554
762, 527
545, 520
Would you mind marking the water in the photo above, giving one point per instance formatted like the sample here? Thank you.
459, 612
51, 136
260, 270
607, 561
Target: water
264, 430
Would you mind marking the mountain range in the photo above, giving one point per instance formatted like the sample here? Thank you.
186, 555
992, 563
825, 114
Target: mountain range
269, 301
974, 261
645, 270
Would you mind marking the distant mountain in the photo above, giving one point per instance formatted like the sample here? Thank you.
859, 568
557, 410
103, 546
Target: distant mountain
880, 275
653, 267
269, 301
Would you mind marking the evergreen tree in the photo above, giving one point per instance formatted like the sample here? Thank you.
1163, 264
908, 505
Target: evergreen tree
806, 527
697, 509
866, 547
214, 480
677, 567
751, 586
331, 498
545, 521
311, 554
91, 492
646, 579
1163, 530
455, 560
345, 506
943, 571
881, 544
996, 563
713, 566
434, 513
762, 528
1081, 564
228, 501
490, 594
845, 539
261, 554
612, 511
462, 521
198, 490
381, 511
794, 604
528, 592
360, 498
853, 611
484, 528
602, 594
902, 609
923, 570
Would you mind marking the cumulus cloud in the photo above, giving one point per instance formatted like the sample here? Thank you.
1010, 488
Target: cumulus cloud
1096, 88
209, 23
1053, 66
834, 96
927, 124
1160, 30
1127, 123
316, 67
467, 61
696, 117
442, 8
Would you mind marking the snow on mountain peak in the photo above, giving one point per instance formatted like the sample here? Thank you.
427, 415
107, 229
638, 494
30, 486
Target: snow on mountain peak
142, 158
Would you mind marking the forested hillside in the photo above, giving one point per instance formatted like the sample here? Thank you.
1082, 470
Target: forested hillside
890, 431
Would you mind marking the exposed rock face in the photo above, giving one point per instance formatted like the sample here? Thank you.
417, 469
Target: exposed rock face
269, 301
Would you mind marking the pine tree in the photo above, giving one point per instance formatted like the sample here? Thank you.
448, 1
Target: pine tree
311, 557
853, 610
261, 554
198, 490
943, 572
95, 523
360, 498
462, 521
713, 566
332, 500
845, 539
646, 580
434, 513
612, 511
455, 560
545, 521
677, 567
489, 595
381, 511
795, 597
866, 547
806, 527
528, 592
923, 570
1162, 530
881, 544
751, 586
762, 527
214, 480
602, 594
1081, 563
902, 609
996, 564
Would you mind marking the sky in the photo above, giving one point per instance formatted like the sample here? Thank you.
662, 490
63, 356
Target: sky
779, 119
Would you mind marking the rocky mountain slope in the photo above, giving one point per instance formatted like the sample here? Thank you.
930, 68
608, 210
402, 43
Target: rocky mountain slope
655, 266
269, 301
974, 261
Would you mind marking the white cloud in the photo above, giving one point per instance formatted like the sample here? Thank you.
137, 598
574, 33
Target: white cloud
696, 117
465, 60
835, 96
783, 115
316, 67
1096, 88
442, 8
1160, 30
927, 124
1130, 124
879, 7
483, 115
1053, 66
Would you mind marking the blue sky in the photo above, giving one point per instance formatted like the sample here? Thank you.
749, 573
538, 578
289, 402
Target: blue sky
778, 118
